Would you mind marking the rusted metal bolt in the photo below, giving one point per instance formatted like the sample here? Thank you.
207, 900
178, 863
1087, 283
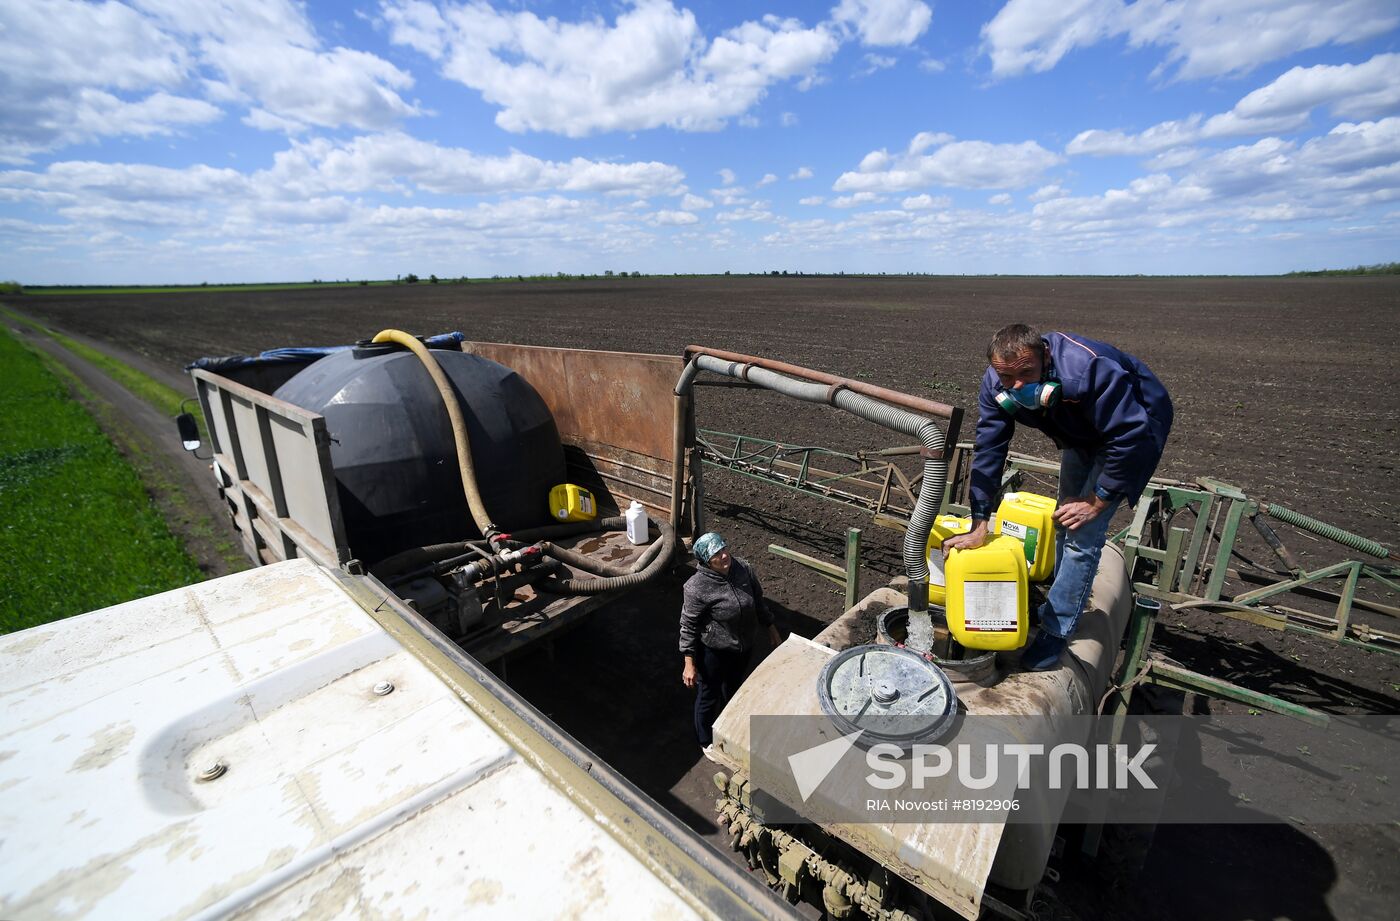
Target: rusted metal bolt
383, 688
212, 772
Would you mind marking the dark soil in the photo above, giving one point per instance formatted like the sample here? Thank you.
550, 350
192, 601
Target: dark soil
1283, 387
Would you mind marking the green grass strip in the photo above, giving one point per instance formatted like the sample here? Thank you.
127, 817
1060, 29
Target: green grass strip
192, 289
166, 399
77, 530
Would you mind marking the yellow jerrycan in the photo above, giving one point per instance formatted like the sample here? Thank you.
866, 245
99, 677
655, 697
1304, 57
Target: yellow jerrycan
944, 527
568, 502
1030, 519
987, 595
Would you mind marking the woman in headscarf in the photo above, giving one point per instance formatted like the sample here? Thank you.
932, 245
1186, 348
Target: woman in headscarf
722, 607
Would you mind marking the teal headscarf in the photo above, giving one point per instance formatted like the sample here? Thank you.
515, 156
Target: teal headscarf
707, 545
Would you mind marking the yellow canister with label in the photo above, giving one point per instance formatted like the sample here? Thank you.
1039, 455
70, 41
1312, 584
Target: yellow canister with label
1031, 519
987, 595
568, 502
944, 527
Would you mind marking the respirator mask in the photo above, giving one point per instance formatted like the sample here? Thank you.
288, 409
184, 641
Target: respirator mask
1040, 395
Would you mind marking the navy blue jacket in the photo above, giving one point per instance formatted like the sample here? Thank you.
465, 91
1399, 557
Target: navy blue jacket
1111, 405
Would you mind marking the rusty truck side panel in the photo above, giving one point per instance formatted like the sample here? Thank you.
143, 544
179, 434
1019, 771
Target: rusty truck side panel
615, 413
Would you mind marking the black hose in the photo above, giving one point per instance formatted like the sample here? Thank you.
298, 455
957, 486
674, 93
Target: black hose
391, 567
602, 568
665, 547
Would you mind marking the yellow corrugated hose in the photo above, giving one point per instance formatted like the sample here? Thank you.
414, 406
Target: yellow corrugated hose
459, 426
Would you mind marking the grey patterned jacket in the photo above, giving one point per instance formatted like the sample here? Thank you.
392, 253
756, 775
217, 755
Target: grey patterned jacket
721, 612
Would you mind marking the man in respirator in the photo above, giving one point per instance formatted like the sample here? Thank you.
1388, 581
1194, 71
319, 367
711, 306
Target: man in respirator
1109, 415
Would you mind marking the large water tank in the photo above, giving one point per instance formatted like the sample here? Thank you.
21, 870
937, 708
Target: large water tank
393, 451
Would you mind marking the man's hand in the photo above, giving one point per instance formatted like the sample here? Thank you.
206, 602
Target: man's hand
688, 675
774, 636
969, 541
1077, 512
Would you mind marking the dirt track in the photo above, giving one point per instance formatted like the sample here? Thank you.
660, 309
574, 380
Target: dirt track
1281, 386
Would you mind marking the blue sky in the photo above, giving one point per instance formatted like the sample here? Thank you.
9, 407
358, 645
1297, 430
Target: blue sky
170, 141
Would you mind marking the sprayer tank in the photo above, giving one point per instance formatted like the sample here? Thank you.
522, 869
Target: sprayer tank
394, 456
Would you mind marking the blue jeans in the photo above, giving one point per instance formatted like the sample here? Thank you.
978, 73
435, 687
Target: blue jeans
1076, 552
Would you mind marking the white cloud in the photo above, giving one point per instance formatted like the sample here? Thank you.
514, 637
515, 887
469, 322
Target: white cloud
311, 211
1034, 34
925, 202
958, 164
757, 214
61, 65
263, 120
801, 172
1001, 198
859, 198
881, 218
875, 160
768, 179
726, 176
1047, 192
1172, 159
884, 22
695, 203
383, 161
131, 182
926, 139
1144, 202
519, 216
304, 86
729, 196
1351, 90
674, 218
1367, 90
1202, 39
811, 200
72, 72
651, 67
69, 44
932, 66
89, 114
1355, 166
876, 62
135, 214
788, 119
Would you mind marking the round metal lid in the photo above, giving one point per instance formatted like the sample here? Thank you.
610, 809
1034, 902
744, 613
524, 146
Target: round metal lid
891, 694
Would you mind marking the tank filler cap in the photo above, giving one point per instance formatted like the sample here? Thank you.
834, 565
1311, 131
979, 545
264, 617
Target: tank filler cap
890, 693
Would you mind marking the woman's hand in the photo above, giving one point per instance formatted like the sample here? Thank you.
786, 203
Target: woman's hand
688, 674
774, 636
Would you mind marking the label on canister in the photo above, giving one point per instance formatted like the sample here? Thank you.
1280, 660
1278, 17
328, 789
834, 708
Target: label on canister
935, 569
990, 607
1026, 534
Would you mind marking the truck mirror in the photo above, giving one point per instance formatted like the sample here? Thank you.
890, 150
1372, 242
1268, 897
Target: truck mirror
189, 432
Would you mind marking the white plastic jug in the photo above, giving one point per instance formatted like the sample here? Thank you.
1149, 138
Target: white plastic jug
638, 527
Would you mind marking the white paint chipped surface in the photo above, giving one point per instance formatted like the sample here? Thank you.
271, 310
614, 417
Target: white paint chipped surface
335, 803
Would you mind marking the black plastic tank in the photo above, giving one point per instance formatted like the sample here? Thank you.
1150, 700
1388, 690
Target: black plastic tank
394, 455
